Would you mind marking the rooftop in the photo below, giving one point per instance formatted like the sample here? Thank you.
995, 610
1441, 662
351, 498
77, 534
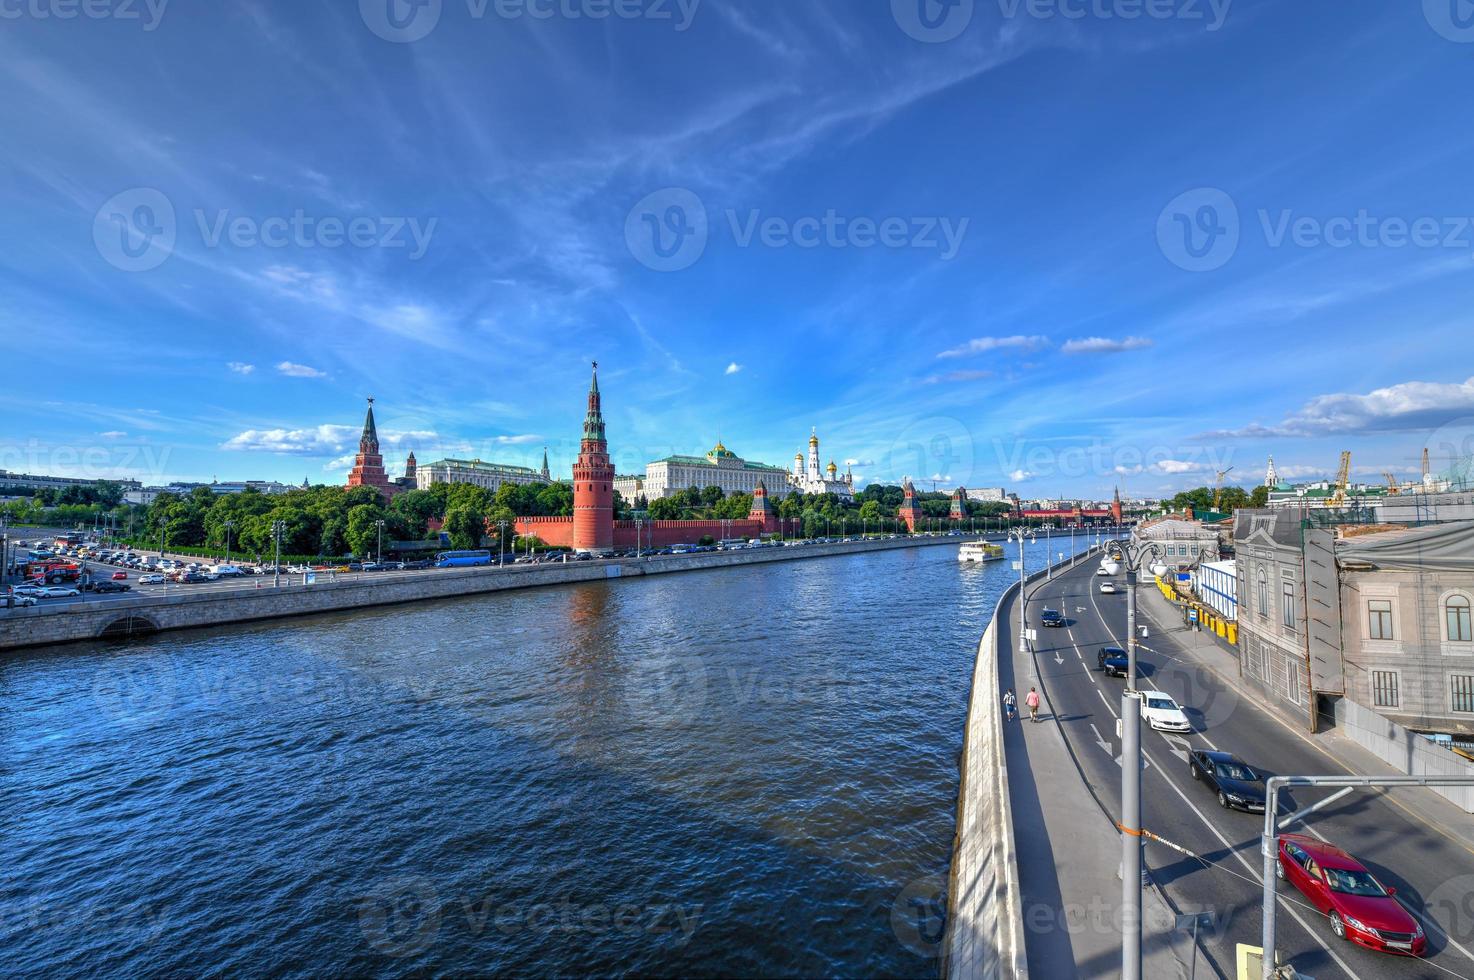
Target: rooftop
476, 464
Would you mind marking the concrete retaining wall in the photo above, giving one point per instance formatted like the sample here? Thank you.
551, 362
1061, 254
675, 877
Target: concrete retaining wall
45, 624
985, 918
1405, 751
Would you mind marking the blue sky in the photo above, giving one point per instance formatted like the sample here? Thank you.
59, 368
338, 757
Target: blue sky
988, 242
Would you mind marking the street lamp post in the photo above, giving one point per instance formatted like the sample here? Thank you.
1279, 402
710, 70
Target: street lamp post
638, 524
229, 526
276, 529
379, 526
501, 543
1020, 535
1131, 556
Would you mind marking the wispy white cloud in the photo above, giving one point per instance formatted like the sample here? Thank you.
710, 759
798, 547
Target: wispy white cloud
956, 377
292, 370
240, 367
522, 440
733, 368
1399, 407
1104, 345
982, 345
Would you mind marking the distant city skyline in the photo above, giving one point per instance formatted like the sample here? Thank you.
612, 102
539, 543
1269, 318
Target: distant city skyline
835, 219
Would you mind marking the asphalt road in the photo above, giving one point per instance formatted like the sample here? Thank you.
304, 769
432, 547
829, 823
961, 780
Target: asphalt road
1433, 874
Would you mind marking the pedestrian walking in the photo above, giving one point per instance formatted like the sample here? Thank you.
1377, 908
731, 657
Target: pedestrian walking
1010, 705
1032, 700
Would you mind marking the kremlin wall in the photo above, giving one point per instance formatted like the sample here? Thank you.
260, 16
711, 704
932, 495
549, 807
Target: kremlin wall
592, 528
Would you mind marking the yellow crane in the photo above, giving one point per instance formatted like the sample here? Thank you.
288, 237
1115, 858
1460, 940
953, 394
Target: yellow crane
1393, 487
1343, 478
1218, 490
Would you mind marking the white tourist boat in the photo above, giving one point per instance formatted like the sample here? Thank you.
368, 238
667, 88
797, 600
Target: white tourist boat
980, 551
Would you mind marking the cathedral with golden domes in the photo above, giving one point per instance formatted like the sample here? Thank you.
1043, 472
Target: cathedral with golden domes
813, 479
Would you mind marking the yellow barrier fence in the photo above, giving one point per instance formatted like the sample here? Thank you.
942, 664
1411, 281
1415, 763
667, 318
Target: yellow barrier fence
1208, 617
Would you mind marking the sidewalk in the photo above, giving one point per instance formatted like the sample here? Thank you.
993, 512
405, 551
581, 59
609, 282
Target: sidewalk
1069, 849
1207, 650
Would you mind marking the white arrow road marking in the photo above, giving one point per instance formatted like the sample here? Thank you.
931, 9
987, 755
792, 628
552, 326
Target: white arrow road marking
1180, 746
1145, 762
1104, 745
1058, 657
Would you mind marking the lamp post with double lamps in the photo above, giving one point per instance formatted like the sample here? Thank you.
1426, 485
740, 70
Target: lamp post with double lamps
1021, 535
277, 527
1131, 555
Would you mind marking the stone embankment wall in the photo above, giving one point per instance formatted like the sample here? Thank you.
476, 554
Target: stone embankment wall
67, 622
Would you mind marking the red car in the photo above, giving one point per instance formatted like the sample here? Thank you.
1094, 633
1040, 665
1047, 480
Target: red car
120, 576
1360, 907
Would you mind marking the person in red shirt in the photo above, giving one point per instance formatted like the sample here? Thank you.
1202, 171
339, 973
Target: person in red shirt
1032, 700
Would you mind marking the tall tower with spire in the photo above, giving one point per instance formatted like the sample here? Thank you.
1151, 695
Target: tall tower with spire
1116, 508
958, 510
368, 465
593, 481
1271, 478
762, 509
546, 473
908, 513
815, 474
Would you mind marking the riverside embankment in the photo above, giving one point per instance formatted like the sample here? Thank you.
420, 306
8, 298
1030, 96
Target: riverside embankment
44, 624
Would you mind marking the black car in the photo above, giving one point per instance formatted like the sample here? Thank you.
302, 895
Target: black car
104, 587
1239, 787
1052, 617
1113, 661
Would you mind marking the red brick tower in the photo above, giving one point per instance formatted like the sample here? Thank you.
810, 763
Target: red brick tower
908, 512
411, 469
593, 481
368, 465
959, 507
762, 510
1116, 508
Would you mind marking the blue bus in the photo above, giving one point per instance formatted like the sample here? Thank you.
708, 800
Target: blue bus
462, 559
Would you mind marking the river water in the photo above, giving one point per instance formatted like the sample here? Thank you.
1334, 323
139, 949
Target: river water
735, 772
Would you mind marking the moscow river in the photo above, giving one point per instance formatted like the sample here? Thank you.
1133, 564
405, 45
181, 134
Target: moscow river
735, 772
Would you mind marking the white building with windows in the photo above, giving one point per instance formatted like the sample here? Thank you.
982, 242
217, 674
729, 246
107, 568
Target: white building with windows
988, 495
1184, 543
477, 473
718, 468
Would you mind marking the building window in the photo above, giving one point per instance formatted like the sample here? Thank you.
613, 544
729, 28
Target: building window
1292, 680
1263, 595
1379, 619
1462, 686
1287, 604
1456, 619
1384, 688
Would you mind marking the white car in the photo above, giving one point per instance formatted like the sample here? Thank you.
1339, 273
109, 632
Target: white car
1102, 571
59, 592
30, 591
22, 601
1108, 588
153, 578
1162, 713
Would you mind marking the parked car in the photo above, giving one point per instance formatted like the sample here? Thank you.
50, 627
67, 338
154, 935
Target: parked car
1238, 786
1162, 713
1052, 617
59, 592
1113, 661
1108, 588
1360, 907
102, 588
1102, 571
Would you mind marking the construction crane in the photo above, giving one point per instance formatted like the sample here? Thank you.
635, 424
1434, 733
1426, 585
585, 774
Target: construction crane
1218, 490
1393, 487
1343, 478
